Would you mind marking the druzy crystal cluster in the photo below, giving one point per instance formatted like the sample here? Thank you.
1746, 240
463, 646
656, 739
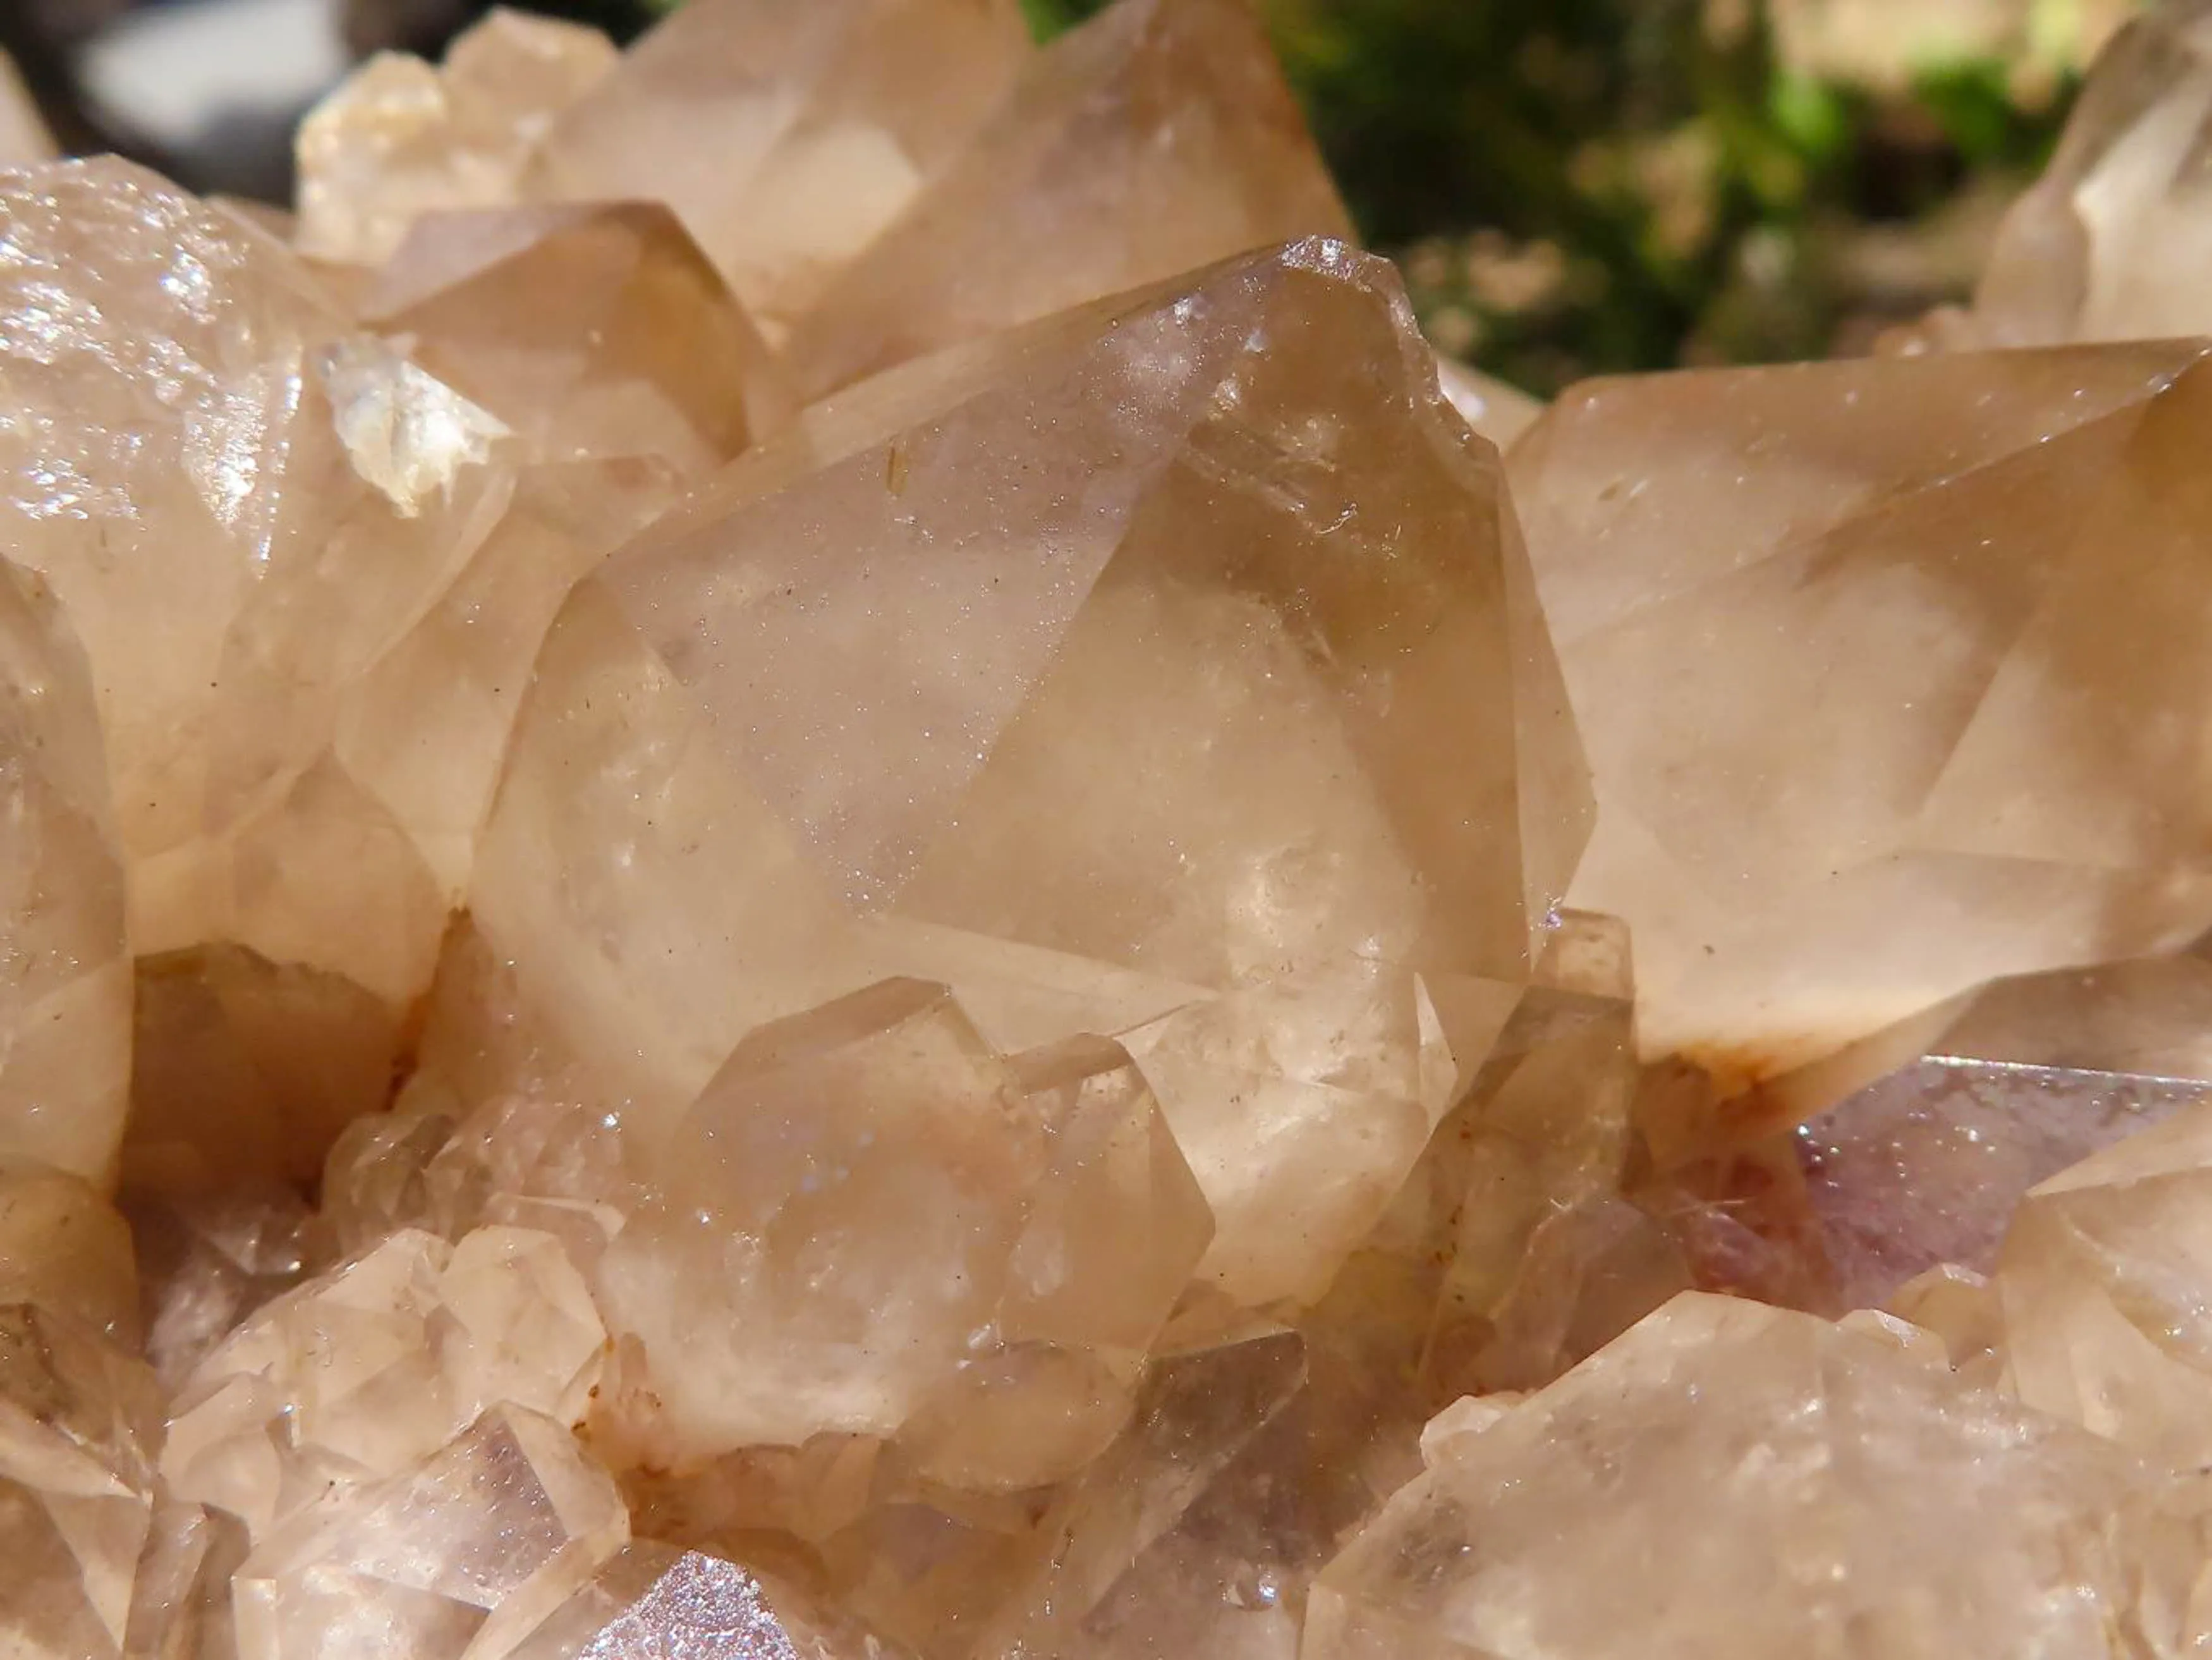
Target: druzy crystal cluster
807, 858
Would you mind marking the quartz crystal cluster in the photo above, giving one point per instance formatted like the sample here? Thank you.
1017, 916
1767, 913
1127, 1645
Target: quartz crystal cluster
804, 860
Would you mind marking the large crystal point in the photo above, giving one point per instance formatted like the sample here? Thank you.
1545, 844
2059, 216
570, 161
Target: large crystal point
79, 1422
592, 331
2108, 244
1875, 662
786, 137
462, 1555
1841, 1491
243, 507
1103, 674
65, 996
400, 138
1155, 137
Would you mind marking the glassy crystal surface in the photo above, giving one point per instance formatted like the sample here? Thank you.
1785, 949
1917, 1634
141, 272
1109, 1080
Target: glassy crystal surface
591, 331
1155, 139
1111, 566
787, 137
2101, 1282
79, 1422
65, 999
359, 1373
2024, 1078
63, 1248
244, 508
2105, 246
946, 1022
1833, 1482
463, 1554
180, 1606
1958, 586
400, 137
898, 1232
248, 1069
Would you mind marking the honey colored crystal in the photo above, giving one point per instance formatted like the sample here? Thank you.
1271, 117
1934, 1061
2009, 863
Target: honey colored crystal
2107, 243
360, 1373
2102, 1283
243, 507
400, 138
593, 331
1130, 566
63, 1248
461, 1555
65, 999
903, 1235
1155, 139
79, 1422
1873, 661
1840, 1487
787, 137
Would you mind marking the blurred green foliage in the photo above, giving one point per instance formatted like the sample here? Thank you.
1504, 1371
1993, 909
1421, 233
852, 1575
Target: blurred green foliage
1581, 185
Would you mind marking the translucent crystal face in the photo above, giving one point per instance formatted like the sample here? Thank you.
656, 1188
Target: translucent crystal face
1872, 660
1888, 1504
643, 1019
2103, 246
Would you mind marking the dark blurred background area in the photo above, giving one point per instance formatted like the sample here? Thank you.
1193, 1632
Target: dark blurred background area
1573, 186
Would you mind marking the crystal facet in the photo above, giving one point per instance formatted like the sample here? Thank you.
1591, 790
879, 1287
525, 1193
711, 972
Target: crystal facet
589, 332
1872, 671
400, 138
1834, 1484
65, 995
462, 1555
2106, 245
1153, 139
787, 137
1059, 570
